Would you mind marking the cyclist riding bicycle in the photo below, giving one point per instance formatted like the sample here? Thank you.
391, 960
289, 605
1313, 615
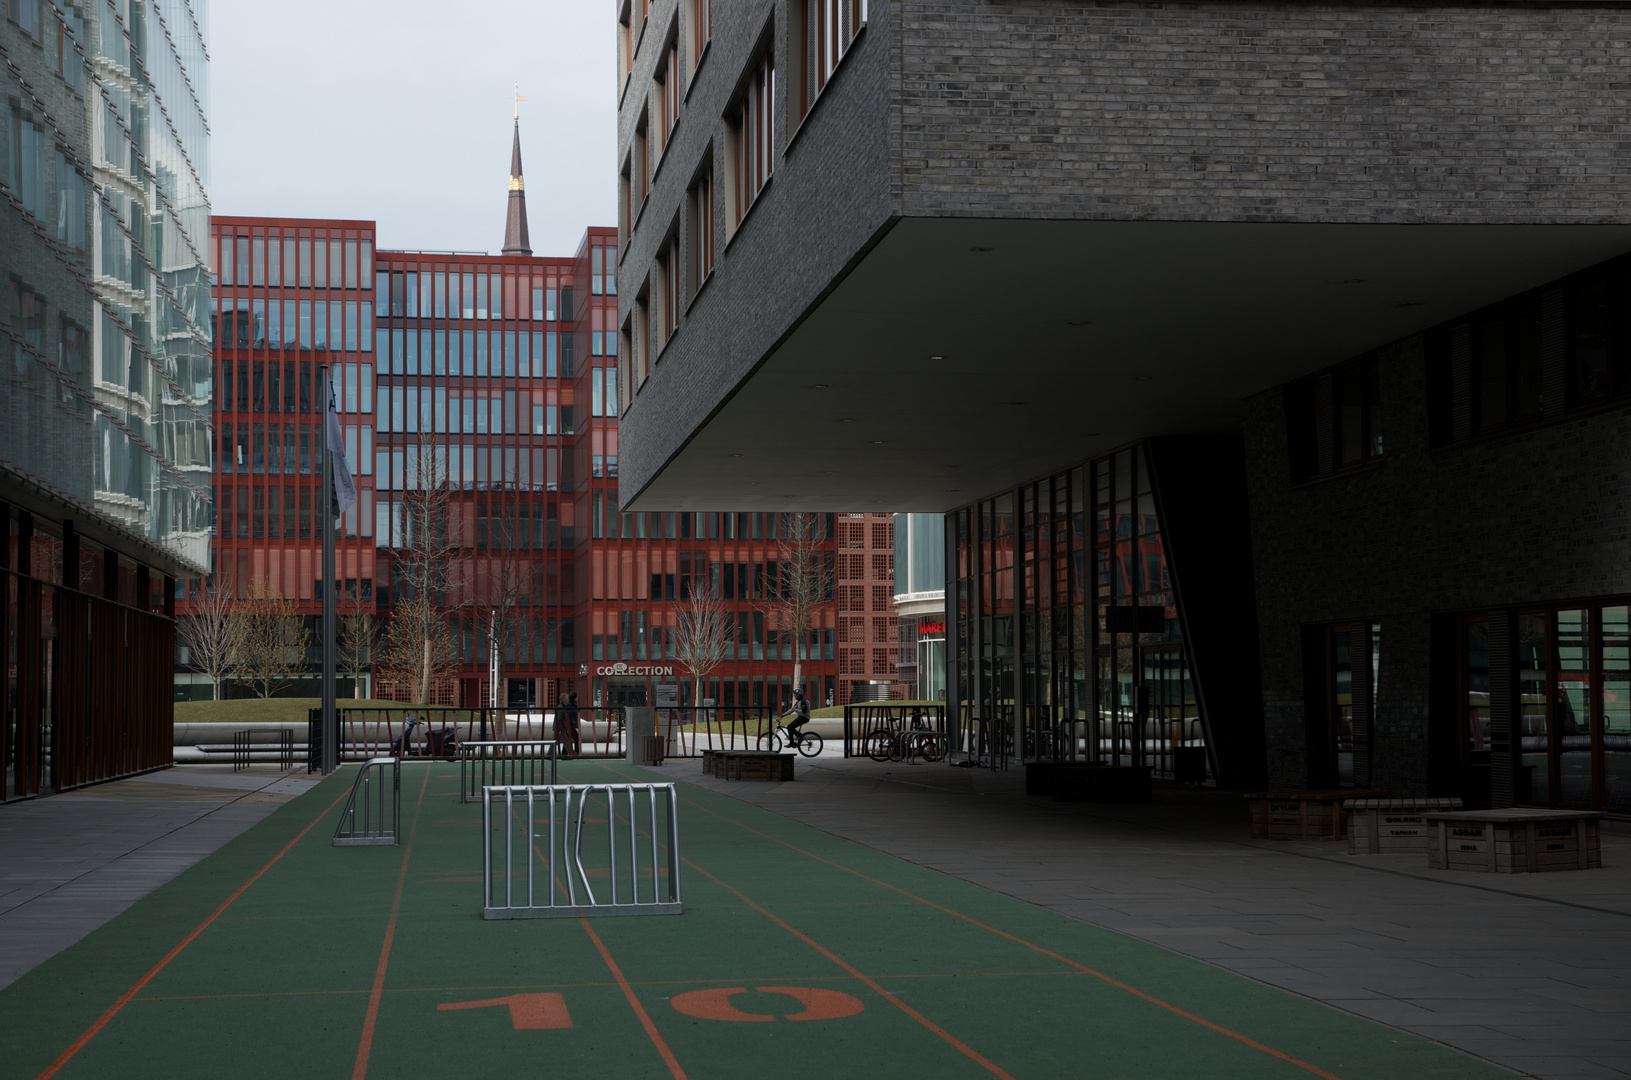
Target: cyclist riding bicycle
801, 706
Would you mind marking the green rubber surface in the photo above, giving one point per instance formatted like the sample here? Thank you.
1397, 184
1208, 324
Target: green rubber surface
906, 971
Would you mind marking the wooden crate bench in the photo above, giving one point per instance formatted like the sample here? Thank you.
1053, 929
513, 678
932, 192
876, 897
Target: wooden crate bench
1515, 841
748, 765
1303, 815
1392, 826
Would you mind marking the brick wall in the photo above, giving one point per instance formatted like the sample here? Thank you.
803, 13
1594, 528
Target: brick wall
1524, 517
1262, 111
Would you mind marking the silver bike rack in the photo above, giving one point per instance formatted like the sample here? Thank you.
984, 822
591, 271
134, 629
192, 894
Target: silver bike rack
539, 869
377, 802
505, 763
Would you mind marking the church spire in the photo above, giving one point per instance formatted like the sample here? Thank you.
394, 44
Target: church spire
515, 221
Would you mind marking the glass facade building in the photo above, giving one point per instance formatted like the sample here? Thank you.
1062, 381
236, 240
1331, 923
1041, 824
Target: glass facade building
106, 388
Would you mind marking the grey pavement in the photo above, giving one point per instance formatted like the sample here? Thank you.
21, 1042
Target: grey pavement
69, 863
1530, 971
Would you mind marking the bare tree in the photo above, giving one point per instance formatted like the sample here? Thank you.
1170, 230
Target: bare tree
208, 631
419, 652
700, 634
269, 638
806, 584
355, 647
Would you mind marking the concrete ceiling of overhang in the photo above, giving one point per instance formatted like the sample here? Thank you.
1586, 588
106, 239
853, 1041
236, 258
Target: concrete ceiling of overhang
961, 356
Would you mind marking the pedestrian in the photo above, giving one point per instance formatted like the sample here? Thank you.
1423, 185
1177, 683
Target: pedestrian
574, 743
801, 707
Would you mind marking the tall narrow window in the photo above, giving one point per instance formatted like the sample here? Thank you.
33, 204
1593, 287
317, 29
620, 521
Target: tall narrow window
670, 265
625, 45
700, 231
699, 29
749, 142
668, 94
821, 32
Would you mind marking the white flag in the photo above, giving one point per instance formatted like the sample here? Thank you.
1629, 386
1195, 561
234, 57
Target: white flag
344, 495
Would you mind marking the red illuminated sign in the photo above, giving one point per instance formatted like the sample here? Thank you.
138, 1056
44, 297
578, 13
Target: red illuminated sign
930, 628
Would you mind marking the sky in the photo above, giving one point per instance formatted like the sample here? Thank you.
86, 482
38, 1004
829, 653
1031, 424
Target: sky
400, 112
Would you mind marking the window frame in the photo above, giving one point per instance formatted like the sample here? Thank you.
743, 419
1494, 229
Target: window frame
750, 136
701, 237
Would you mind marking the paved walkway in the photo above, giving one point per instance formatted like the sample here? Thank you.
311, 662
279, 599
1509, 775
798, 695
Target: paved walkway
69, 863
1532, 971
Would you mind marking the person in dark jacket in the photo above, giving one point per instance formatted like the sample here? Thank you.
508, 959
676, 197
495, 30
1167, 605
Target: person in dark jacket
569, 725
801, 707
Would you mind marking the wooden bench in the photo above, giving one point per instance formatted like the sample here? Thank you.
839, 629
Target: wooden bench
1303, 815
1391, 826
1515, 840
748, 765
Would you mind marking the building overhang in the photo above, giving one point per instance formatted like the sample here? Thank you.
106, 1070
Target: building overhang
28, 492
961, 356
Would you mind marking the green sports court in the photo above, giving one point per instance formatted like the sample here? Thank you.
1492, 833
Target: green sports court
798, 954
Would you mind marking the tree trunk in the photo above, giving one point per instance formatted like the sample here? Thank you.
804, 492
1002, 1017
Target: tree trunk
424, 676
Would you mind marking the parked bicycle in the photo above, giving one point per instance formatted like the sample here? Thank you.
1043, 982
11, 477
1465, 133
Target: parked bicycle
886, 744
807, 743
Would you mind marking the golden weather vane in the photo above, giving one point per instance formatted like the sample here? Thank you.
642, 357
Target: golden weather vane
519, 98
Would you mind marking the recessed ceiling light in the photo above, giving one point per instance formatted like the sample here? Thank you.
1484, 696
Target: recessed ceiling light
1408, 303
1092, 435
1143, 378
1016, 403
1354, 281
1078, 322
847, 420
980, 250
818, 386
753, 483
954, 490
877, 442
736, 455
829, 472
937, 358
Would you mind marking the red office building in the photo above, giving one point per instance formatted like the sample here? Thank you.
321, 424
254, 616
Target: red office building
479, 392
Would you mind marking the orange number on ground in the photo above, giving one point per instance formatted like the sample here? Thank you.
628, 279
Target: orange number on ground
528, 1012
818, 1004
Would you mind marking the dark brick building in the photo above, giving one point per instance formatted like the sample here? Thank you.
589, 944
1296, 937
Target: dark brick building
1266, 358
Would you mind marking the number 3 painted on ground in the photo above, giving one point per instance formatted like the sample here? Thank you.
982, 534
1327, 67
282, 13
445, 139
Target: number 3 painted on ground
818, 1004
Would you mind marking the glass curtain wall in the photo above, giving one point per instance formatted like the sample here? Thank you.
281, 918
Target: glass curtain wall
1066, 640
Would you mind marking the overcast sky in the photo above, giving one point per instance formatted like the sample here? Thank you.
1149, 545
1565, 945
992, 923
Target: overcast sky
400, 112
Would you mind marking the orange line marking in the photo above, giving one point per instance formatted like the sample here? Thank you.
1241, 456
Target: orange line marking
365, 1045
1117, 983
125, 998
639, 1009
528, 1012
872, 984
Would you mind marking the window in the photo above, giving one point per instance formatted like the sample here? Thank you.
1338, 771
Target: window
641, 336
27, 14
1334, 420
749, 141
699, 29
699, 230
28, 163
669, 267
642, 159
68, 61
625, 47
625, 202
821, 33
1506, 366
668, 94
1599, 331
70, 205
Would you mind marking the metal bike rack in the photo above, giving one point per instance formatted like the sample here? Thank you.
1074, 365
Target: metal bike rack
505, 763
379, 803
556, 880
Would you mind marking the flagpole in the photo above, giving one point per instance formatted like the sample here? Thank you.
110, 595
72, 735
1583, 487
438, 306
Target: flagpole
325, 502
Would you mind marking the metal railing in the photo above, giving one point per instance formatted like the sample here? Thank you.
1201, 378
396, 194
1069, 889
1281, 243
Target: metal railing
867, 722
377, 731
553, 880
599, 731
243, 743
511, 763
377, 802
